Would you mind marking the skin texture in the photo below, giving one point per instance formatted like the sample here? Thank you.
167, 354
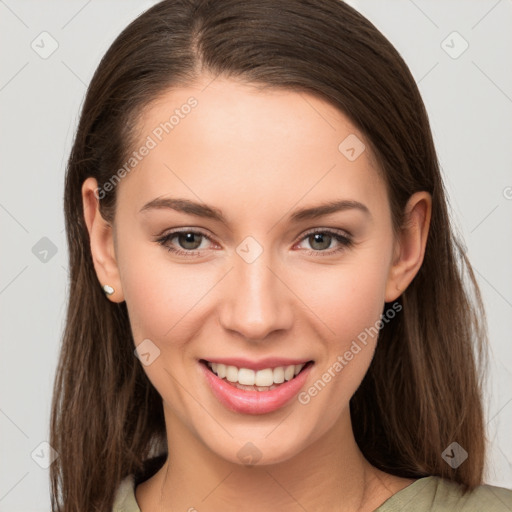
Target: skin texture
257, 156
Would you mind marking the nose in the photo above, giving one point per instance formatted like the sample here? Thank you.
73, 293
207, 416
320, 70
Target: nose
256, 300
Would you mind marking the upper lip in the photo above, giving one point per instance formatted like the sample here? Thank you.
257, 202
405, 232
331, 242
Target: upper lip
268, 362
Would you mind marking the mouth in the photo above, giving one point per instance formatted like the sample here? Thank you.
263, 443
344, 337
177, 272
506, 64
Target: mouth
258, 390
248, 379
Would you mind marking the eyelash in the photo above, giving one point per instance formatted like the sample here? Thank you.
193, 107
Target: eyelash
345, 241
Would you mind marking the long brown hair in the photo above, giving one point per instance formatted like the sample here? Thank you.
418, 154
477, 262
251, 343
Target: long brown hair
423, 388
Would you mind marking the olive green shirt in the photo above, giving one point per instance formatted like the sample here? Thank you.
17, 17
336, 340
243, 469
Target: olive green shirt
426, 494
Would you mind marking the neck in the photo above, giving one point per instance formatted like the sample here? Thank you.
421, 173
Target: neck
330, 474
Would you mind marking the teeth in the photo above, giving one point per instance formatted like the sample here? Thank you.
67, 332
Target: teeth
278, 375
289, 371
264, 377
246, 377
261, 378
221, 370
231, 373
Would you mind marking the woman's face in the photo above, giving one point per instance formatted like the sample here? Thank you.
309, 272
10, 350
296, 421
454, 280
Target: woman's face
240, 173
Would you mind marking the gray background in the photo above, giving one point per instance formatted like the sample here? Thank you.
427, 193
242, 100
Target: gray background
468, 95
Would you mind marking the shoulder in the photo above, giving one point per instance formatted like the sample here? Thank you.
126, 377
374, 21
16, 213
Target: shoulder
439, 495
432, 494
124, 500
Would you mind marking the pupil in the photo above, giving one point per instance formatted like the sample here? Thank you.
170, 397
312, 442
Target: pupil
319, 237
188, 238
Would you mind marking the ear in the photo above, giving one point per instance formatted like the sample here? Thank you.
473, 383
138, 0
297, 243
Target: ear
410, 245
102, 241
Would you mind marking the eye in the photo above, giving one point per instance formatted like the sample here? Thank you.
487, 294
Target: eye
321, 240
187, 240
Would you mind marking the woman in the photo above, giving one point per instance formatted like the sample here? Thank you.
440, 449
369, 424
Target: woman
267, 309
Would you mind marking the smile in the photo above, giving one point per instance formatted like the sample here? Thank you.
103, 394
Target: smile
255, 391
261, 380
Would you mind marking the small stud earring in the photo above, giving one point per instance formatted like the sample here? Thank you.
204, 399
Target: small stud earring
108, 290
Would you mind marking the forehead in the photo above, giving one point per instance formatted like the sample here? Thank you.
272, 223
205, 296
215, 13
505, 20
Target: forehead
225, 140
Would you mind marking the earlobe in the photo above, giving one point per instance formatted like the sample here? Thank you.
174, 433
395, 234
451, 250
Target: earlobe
411, 245
102, 243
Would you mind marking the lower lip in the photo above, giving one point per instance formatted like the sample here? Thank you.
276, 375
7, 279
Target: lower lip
255, 402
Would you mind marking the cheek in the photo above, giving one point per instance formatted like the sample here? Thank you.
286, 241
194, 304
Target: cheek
161, 297
348, 297
349, 300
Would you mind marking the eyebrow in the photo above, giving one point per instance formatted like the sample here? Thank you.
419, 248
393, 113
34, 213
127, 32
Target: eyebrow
210, 212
